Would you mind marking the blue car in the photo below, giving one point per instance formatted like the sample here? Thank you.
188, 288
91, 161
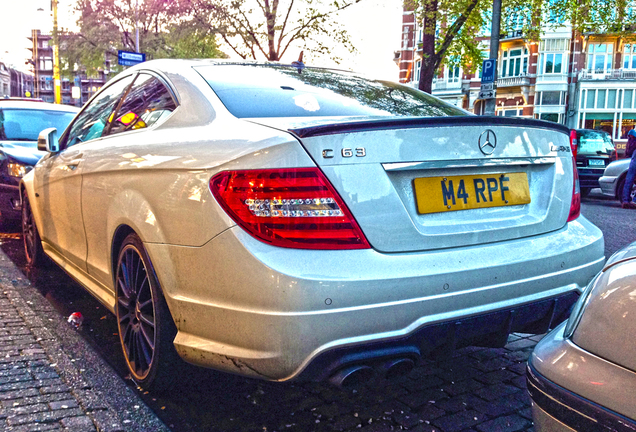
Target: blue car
20, 124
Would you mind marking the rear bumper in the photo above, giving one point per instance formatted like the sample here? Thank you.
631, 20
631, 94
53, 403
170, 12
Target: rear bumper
589, 178
572, 389
245, 307
608, 185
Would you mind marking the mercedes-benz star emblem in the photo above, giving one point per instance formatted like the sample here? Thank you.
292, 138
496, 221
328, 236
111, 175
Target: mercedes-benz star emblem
487, 142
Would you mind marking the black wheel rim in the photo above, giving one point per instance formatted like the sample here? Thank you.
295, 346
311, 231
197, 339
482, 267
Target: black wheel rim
28, 231
135, 312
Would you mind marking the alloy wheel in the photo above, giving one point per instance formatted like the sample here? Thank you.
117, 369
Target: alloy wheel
136, 312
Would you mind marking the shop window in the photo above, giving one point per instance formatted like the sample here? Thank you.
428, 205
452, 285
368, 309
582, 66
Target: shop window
629, 120
589, 101
611, 99
600, 98
628, 96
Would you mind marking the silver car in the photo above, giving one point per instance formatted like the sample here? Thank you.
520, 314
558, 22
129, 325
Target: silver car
613, 180
582, 375
286, 222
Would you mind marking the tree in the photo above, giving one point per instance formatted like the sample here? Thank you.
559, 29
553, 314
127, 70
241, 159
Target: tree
270, 28
107, 26
451, 27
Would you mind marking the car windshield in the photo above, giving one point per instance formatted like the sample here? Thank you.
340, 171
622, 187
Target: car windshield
26, 124
249, 91
595, 142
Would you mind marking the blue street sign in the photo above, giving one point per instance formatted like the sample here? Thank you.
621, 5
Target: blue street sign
488, 71
127, 58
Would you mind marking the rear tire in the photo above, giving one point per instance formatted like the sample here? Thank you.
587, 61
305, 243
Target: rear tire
146, 328
33, 251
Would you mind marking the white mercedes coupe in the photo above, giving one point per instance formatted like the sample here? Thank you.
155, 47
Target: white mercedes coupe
286, 222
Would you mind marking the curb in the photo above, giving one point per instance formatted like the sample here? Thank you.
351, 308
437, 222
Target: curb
50, 377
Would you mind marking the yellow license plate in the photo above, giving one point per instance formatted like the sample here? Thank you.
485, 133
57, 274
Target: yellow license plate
451, 193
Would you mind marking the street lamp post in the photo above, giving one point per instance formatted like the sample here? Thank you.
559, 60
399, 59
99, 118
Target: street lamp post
57, 84
137, 25
494, 52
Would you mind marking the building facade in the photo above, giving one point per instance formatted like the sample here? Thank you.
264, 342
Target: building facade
579, 80
42, 61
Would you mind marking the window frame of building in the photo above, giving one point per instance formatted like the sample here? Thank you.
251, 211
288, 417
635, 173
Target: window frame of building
517, 64
629, 56
595, 52
541, 96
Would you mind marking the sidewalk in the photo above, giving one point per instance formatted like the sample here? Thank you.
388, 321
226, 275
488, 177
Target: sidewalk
50, 378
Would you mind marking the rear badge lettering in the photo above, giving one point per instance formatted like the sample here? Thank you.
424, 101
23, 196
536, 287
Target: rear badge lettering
345, 152
560, 148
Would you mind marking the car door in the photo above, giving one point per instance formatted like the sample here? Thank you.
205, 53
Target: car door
58, 182
106, 180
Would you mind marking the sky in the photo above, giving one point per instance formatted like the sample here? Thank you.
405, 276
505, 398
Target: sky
374, 27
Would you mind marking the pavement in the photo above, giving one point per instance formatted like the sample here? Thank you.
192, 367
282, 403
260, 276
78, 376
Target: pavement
51, 379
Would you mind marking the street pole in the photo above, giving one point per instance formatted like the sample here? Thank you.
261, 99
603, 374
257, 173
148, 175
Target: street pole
57, 83
494, 51
137, 25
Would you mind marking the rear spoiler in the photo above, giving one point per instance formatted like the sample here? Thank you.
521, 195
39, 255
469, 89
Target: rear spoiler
424, 122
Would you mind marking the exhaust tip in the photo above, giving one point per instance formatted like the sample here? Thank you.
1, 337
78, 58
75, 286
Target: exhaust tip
398, 367
352, 376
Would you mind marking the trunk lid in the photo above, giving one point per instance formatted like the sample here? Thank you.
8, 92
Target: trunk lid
424, 183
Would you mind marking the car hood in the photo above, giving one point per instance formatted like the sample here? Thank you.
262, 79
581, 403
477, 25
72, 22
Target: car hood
625, 254
23, 152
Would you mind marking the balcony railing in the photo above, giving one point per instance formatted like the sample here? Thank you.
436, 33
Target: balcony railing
513, 81
607, 74
446, 85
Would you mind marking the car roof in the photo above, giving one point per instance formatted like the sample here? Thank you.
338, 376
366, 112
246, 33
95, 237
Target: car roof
40, 106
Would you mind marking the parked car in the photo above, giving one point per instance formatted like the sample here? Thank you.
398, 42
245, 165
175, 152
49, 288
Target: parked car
613, 180
20, 124
287, 222
595, 150
582, 375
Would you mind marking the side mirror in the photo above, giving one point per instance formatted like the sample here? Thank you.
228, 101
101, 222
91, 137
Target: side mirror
47, 141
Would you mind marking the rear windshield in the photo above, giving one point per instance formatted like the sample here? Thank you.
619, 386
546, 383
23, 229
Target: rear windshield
26, 124
594, 142
249, 91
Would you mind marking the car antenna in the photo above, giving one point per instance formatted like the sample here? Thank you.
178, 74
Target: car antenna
299, 63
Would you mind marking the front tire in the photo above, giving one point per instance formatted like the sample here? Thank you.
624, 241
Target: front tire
619, 190
30, 236
146, 328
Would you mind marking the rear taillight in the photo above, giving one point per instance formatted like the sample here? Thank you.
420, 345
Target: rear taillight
575, 206
573, 142
295, 208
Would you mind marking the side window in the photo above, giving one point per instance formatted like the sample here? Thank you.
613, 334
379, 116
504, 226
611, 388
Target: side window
91, 122
148, 102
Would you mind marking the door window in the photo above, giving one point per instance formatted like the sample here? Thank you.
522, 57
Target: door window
93, 119
147, 103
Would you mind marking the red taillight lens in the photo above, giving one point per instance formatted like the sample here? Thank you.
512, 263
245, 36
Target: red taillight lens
574, 142
575, 206
295, 208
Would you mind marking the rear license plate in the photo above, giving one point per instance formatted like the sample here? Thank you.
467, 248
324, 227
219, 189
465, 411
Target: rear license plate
452, 193
596, 162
